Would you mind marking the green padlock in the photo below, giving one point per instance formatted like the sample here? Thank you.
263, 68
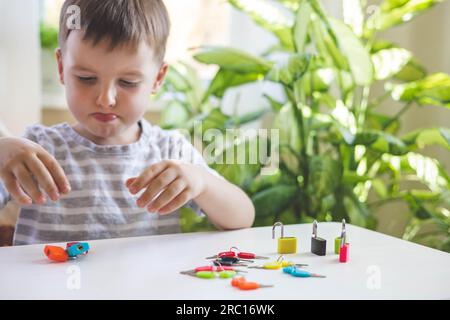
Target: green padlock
286, 245
337, 241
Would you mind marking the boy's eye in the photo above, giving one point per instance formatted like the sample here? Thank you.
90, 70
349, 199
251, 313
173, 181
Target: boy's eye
126, 83
86, 79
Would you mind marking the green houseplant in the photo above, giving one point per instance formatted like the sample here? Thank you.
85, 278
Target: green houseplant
341, 157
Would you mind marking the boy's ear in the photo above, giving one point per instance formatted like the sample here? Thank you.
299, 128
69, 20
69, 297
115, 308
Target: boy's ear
160, 77
60, 65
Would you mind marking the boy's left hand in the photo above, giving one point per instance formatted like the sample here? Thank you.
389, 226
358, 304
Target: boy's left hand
169, 184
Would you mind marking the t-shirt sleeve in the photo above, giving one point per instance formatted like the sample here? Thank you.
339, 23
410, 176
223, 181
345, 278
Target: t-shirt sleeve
181, 149
38, 134
5, 197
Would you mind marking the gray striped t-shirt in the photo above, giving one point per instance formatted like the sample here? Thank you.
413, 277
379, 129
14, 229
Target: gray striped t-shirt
99, 205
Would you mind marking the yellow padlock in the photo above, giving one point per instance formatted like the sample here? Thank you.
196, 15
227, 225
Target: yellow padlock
286, 245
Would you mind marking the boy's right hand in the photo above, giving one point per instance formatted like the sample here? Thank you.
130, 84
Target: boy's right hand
26, 168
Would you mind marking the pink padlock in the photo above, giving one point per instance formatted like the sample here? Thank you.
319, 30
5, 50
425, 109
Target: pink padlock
344, 248
343, 253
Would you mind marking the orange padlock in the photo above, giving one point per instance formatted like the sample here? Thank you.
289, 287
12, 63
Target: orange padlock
56, 253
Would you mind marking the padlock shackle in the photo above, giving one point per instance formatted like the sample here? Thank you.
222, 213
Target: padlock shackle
343, 238
277, 224
315, 228
235, 248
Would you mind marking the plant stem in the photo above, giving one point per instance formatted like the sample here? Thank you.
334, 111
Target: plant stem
384, 201
363, 108
305, 162
398, 115
375, 102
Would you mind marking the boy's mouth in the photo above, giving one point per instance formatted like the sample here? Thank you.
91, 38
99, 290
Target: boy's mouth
104, 117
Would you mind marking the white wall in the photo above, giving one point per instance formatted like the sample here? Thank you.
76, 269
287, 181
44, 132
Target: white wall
428, 38
20, 89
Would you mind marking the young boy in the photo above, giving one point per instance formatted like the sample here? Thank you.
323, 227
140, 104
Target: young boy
111, 174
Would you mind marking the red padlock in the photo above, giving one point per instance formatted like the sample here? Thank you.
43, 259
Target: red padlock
343, 253
344, 248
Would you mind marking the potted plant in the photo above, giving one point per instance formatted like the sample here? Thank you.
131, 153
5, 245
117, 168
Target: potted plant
341, 157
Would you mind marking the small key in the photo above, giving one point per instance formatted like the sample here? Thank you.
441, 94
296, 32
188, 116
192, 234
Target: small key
243, 284
278, 265
293, 271
232, 260
241, 255
229, 264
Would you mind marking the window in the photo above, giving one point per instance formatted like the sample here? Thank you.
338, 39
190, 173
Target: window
193, 23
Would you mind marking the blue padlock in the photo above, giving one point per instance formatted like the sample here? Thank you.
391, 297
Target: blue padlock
75, 249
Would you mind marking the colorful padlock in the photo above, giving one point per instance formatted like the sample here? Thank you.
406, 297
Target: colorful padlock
337, 241
286, 245
344, 248
72, 251
75, 249
318, 245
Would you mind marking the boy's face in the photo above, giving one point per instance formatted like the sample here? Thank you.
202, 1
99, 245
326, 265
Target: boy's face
108, 91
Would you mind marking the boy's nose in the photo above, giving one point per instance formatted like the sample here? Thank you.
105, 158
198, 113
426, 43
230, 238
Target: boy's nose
107, 97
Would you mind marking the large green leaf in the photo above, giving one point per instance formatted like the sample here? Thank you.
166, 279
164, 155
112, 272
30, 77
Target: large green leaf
276, 105
273, 200
356, 210
411, 71
233, 59
434, 90
326, 46
248, 117
291, 4
324, 175
429, 232
387, 143
378, 121
183, 84
301, 25
290, 71
357, 56
396, 12
376, 140
388, 5
423, 137
353, 15
289, 128
225, 79
388, 62
239, 163
421, 168
174, 115
213, 119
177, 80
270, 15
428, 171
262, 182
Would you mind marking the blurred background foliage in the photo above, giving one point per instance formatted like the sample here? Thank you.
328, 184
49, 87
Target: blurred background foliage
340, 157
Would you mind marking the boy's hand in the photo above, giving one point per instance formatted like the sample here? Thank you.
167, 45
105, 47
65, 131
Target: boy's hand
169, 185
26, 168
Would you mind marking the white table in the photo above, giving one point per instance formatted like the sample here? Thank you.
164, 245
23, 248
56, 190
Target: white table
380, 267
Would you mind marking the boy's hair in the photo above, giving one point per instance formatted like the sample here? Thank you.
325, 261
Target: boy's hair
121, 22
